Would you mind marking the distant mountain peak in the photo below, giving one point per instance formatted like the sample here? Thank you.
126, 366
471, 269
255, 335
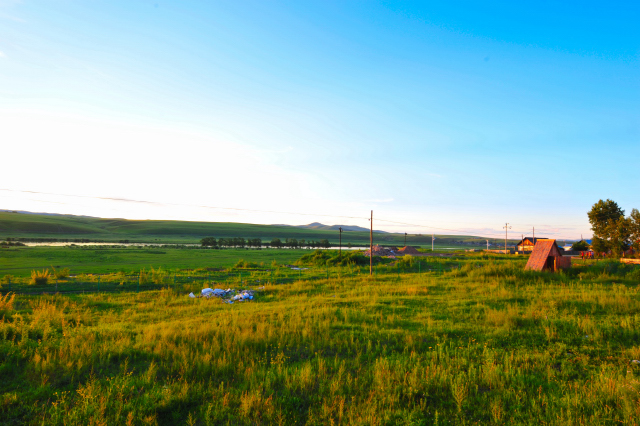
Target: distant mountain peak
323, 227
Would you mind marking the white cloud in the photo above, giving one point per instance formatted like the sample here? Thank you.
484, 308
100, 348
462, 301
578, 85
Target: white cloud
2, 55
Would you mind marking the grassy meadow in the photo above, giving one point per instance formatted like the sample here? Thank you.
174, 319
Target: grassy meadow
480, 342
20, 261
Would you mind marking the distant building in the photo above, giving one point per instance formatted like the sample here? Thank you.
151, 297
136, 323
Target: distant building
546, 256
528, 243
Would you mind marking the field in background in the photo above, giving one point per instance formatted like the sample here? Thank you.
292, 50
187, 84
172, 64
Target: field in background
478, 342
19, 261
20, 225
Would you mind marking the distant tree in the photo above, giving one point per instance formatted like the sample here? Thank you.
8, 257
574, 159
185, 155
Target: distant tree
301, 243
222, 242
325, 243
634, 229
291, 243
611, 230
276, 243
581, 245
209, 242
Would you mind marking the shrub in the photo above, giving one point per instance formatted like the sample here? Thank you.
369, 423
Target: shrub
158, 276
60, 273
143, 278
6, 303
39, 278
333, 258
244, 264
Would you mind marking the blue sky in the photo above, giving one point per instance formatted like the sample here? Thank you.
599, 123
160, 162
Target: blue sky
458, 116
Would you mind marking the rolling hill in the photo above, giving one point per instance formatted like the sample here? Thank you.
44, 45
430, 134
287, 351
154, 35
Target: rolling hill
33, 226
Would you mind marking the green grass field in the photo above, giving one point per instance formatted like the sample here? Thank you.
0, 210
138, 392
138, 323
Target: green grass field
22, 260
480, 342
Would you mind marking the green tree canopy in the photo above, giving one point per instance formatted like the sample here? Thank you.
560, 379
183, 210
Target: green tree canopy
581, 245
634, 229
602, 214
611, 230
276, 243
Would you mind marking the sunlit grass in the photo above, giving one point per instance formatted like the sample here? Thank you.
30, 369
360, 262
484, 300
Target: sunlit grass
484, 343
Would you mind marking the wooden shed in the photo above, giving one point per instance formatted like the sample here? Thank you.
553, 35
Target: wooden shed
547, 257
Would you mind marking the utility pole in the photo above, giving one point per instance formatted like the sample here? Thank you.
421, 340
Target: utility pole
371, 246
405, 239
487, 245
433, 238
340, 241
506, 227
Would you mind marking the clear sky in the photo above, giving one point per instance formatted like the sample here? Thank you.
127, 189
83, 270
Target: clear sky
448, 115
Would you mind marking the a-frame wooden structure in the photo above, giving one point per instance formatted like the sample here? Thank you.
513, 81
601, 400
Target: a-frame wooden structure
547, 257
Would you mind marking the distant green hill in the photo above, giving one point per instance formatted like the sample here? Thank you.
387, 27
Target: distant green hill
23, 225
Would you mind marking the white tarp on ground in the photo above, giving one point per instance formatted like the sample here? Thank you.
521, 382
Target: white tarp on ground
228, 295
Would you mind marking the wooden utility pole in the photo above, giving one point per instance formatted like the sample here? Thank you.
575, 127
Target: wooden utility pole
371, 246
405, 239
487, 245
506, 227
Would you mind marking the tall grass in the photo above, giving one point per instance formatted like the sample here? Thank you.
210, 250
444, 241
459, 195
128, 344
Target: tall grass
485, 343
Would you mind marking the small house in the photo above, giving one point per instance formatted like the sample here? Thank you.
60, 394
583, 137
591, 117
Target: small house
546, 256
527, 243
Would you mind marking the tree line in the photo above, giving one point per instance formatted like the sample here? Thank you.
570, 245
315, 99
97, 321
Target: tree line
239, 242
612, 231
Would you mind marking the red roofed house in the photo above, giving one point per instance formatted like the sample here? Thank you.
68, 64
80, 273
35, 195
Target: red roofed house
547, 257
528, 243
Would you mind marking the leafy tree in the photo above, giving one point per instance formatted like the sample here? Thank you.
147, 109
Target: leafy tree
581, 245
209, 242
291, 243
634, 229
276, 243
610, 228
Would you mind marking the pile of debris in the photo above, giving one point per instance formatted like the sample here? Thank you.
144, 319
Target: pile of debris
380, 251
409, 250
227, 296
